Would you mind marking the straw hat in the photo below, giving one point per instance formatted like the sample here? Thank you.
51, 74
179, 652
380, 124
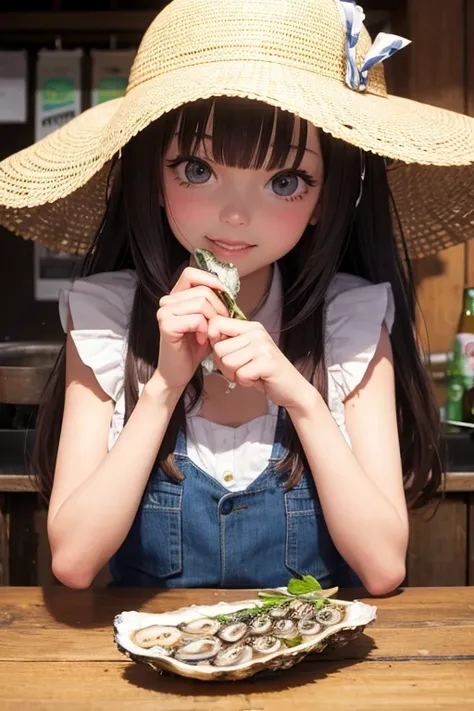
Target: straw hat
295, 54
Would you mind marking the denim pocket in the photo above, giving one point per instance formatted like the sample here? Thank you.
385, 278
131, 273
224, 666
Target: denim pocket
309, 548
160, 520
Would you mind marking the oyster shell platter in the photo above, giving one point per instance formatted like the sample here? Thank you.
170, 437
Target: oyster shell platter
229, 641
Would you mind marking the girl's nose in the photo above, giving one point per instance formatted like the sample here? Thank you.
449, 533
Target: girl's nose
235, 216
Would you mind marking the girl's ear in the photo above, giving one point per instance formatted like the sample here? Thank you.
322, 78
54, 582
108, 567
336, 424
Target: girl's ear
316, 215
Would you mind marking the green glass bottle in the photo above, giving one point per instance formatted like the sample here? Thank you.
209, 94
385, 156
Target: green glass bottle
460, 371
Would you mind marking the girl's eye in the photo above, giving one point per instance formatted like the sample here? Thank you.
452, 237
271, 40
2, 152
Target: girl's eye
291, 185
285, 185
194, 171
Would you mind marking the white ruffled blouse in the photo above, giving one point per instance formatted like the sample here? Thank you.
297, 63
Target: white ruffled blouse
100, 308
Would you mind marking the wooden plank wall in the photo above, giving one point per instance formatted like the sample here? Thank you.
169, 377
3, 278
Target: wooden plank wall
437, 77
438, 68
469, 44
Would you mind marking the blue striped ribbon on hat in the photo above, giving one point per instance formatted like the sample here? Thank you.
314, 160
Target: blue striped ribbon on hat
384, 45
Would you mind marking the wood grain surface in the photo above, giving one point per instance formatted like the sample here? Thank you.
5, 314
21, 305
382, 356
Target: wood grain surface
57, 652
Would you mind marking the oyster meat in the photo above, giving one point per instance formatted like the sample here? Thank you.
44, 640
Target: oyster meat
231, 641
260, 625
199, 650
237, 654
157, 636
266, 644
229, 276
286, 629
233, 632
202, 627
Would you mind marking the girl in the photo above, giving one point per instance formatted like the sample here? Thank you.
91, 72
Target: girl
228, 142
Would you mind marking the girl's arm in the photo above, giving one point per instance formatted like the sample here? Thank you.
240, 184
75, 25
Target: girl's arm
361, 491
96, 493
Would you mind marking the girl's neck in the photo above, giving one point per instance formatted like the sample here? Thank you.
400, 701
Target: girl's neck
254, 289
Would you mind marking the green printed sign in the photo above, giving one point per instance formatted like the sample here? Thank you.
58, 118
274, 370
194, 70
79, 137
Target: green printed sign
57, 92
111, 88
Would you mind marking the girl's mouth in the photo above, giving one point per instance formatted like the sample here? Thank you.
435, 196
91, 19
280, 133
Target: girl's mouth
231, 247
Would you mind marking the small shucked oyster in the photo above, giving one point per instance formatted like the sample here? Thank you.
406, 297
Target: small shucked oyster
286, 629
329, 616
229, 276
200, 628
233, 632
309, 627
300, 609
199, 650
230, 641
260, 625
230, 656
267, 644
157, 636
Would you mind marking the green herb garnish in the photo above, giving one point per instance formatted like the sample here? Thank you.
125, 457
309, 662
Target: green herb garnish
310, 587
251, 612
273, 599
307, 586
303, 586
292, 642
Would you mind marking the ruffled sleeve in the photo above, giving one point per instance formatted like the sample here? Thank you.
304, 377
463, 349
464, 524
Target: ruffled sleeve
355, 313
100, 308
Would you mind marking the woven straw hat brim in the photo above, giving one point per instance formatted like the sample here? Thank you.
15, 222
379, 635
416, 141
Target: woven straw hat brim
63, 177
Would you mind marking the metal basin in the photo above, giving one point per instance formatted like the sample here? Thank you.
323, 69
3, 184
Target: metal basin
24, 370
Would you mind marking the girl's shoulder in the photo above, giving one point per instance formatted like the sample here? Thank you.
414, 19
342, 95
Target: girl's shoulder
101, 301
100, 307
356, 310
356, 306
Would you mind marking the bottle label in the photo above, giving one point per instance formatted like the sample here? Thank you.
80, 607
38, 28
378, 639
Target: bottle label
463, 355
454, 399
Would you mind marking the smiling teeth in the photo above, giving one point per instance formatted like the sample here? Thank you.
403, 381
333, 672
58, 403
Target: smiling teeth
232, 248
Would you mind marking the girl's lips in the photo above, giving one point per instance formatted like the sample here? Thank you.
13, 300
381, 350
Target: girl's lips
231, 248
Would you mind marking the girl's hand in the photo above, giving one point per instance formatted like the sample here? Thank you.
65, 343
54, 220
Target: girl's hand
246, 354
183, 319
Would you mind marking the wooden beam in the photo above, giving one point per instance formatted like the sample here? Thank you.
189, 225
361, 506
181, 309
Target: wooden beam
20, 483
90, 22
17, 483
116, 21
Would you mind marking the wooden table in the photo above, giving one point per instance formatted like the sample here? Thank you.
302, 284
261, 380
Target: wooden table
57, 652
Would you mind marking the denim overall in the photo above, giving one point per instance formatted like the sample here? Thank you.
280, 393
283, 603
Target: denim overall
195, 533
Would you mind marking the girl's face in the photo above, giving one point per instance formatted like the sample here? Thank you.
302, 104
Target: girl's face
245, 216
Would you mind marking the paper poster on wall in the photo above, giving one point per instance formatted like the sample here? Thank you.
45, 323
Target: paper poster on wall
58, 100
53, 271
13, 86
110, 72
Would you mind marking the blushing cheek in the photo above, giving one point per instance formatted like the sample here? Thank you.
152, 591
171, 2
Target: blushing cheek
187, 211
287, 226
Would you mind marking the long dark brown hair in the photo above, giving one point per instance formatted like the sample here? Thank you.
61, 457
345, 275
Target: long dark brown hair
135, 234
